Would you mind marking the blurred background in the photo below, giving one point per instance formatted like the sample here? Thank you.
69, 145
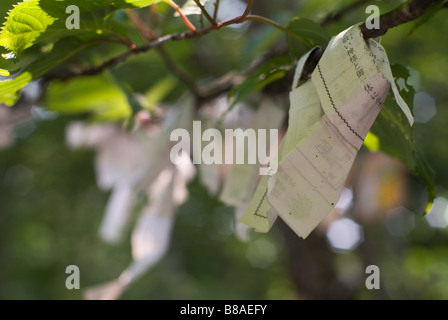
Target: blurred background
51, 207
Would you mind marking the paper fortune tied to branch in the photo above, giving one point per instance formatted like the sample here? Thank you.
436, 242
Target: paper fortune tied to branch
330, 116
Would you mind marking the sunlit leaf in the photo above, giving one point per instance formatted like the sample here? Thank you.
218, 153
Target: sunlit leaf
99, 95
24, 25
61, 51
33, 21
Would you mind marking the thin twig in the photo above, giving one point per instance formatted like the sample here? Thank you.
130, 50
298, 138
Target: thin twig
169, 62
404, 13
205, 13
126, 42
144, 30
278, 26
215, 12
201, 21
145, 48
248, 8
184, 18
153, 20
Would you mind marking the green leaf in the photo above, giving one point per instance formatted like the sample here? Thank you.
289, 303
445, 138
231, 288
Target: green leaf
129, 93
158, 92
272, 70
34, 21
10, 64
99, 95
61, 51
24, 25
392, 134
136, 3
304, 35
34, 26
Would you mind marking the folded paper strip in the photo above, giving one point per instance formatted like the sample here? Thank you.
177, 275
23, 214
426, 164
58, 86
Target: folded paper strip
329, 118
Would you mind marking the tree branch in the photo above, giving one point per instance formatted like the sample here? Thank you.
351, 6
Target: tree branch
154, 44
187, 22
406, 12
215, 12
248, 8
144, 30
205, 13
276, 25
149, 35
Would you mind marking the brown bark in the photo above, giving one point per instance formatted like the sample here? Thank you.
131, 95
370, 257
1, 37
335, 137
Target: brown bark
408, 11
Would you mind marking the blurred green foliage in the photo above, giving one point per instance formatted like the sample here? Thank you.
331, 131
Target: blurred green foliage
50, 213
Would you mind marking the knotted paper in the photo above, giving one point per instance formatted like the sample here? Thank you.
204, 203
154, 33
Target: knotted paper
330, 117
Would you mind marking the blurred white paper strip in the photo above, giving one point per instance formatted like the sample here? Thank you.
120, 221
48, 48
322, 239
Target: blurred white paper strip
351, 88
117, 213
151, 235
240, 185
150, 238
236, 188
146, 169
210, 175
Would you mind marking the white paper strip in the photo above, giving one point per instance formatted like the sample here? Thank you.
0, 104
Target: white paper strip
117, 214
350, 84
150, 238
